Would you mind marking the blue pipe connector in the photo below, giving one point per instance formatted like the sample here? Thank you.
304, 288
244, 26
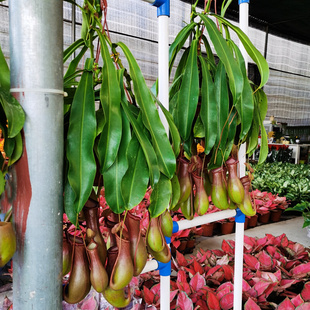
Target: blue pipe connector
243, 1
163, 7
239, 217
164, 268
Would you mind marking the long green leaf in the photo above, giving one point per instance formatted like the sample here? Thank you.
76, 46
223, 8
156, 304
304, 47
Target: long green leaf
262, 107
251, 50
136, 178
73, 65
112, 177
221, 93
178, 43
245, 105
226, 56
160, 197
175, 136
232, 128
208, 111
72, 48
189, 93
80, 139
110, 97
14, 113
147, 147
69, 204
4, 73
151, 120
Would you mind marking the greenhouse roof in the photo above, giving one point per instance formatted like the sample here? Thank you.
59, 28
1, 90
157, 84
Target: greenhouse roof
285, 18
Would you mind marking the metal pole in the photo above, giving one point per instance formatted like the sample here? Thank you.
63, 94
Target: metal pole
36, 46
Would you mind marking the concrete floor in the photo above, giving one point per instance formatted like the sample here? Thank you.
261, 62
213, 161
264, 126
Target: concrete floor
292, 228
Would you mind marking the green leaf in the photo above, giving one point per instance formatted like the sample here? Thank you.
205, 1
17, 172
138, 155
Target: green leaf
245, 105
175, 136
18, 149
179, 42
80, 139
110, 97
198, 130
150, 116
2, 182
232, 128
70, 206
4, 73
189, 93
13, 111
160, 197
147, 147
262, 108
72, 48
112, 177
251, 50
208, 111
226, 56
136, 178
73, 65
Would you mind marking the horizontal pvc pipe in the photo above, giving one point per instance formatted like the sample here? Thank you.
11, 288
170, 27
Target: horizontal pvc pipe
207, 218
151, 265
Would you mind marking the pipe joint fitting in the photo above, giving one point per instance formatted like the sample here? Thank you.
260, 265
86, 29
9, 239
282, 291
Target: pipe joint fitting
164, 268
243, 1
239, 217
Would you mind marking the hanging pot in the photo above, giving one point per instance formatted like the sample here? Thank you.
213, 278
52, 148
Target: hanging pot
201, 201
154, 237
117, 298
66, 255
98, 275
166, 223
79, 280
218, 190
187, 208
234, 186
184, 180
163, 256
91, 210
7, 242
122, 271
246, 206
138, 250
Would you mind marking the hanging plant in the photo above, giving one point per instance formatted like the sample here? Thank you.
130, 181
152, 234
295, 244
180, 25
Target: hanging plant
123, 141
214, 106
213, 102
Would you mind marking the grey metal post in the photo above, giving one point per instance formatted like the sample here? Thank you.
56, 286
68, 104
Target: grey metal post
36, 46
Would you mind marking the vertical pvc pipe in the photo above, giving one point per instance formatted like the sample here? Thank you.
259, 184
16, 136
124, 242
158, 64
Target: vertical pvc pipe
36, 48
163, 14
244, 26
238, 268
240, 217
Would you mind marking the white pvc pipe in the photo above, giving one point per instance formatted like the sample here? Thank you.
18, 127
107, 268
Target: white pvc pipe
164, 292
207, 218
238, 269
163, 66
239, 234
151, 265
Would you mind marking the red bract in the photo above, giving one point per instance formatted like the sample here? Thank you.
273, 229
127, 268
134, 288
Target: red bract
300, 271
227, 301
305, 293
304, 306
184, 302
251, 305
297, 301
286, 304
